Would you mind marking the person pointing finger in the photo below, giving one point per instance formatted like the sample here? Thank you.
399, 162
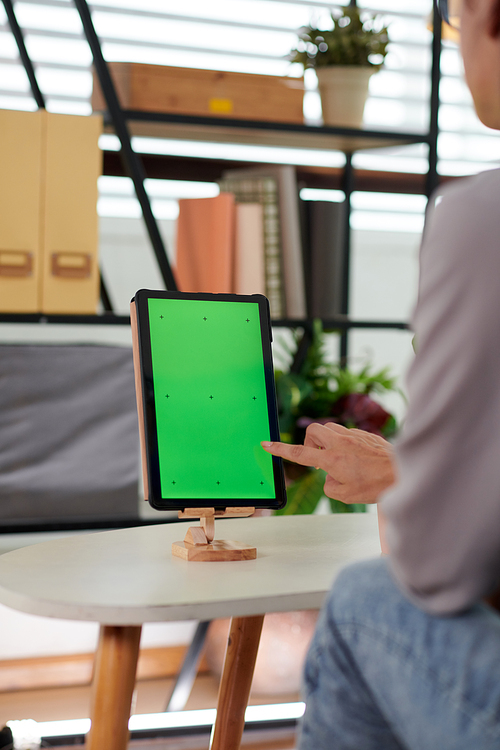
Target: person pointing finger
359, 465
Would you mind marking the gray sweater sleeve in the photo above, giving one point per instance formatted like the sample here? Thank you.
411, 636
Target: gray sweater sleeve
443, 515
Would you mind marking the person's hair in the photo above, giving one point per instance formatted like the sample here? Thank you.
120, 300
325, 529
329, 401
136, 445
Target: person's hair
495, 19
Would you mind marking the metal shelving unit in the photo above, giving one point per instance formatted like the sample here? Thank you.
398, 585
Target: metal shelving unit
126, 123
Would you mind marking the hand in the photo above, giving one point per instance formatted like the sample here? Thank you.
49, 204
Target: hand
359, 464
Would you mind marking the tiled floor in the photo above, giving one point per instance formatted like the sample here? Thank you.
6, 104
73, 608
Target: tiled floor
275, 740
151, 697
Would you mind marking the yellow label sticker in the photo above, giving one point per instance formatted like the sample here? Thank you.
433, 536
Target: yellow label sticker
221, 106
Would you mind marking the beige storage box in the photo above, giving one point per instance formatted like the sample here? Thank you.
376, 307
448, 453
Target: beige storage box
20, 210
188, 91
70, 277
48, 226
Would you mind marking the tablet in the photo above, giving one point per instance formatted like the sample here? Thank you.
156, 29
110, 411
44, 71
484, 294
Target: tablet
206, 399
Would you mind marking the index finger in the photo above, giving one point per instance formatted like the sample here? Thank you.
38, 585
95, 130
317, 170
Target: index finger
320, 435
299, 454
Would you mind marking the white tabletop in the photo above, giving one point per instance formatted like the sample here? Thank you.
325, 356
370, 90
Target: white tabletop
129, 576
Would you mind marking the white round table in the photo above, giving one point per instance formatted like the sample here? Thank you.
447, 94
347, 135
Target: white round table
124, 578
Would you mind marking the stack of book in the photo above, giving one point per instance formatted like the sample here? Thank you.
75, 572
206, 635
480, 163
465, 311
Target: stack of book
257, 237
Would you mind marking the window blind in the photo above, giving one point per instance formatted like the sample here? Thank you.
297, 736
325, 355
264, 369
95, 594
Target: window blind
252, 36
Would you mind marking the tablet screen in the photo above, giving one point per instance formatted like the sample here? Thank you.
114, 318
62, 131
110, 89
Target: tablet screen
211, 401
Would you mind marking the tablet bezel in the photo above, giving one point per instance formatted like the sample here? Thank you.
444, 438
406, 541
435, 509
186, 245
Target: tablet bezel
146, 402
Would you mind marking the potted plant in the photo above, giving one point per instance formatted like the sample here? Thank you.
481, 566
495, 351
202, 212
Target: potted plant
344, 57
324, 392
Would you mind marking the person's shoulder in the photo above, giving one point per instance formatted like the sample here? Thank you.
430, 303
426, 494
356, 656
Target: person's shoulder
467, 192
463, 223
466, 208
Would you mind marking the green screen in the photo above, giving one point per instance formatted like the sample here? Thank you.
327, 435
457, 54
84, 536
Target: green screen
210, 399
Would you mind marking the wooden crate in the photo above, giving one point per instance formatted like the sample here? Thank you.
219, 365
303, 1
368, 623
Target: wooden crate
157, 88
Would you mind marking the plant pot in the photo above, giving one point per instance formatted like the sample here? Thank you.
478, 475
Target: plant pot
344, 90
283, 646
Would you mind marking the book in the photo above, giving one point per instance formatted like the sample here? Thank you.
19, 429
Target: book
289, 228
264, 191
205, 244
325, 221
249, 261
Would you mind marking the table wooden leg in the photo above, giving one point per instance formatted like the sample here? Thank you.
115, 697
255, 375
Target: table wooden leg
113, 686
236, 680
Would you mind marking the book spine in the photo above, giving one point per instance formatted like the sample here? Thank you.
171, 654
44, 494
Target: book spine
249, 270
293, 272
326, 227
265, 192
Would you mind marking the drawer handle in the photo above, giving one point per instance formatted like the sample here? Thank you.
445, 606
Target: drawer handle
71, 265
16, 263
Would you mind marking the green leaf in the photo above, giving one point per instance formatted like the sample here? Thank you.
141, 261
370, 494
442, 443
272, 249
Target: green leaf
390, 427
350, 41
339, 507
305, 494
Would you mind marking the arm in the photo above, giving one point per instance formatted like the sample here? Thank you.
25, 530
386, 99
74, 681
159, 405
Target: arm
443, 517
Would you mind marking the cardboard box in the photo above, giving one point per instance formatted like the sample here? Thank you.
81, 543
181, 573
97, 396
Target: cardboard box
188, 91
48, 198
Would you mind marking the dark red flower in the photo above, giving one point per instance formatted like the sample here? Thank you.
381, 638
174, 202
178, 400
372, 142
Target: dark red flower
303, 422
361, 411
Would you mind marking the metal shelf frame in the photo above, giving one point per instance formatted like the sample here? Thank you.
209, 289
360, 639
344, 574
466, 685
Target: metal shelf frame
120, 120
339, 323
133, 115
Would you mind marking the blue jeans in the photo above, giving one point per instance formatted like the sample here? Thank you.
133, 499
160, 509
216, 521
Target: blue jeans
382, 674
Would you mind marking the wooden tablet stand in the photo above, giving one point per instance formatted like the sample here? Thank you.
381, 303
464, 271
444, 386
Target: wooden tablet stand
199, 543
